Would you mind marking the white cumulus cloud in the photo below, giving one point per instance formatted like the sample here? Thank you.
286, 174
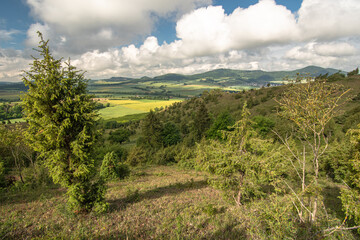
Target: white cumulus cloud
329, 19
98, 35
99, 24
209, 30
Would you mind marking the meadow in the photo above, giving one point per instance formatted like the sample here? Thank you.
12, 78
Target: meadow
162, 202
155, 202
124, 107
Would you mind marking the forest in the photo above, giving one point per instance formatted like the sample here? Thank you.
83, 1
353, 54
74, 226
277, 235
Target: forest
278, 162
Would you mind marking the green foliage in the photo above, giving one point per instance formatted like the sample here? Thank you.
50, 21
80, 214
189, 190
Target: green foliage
170, 134
335, 161
102, 148
239, 164
166, 155
201, 121
2, 174
87, 195
62, 120
221, 123
275, 219
353, 72
336, 77
10, 111
12, 139
37, 175
263, 125
120, 135
310, 107
111, 167
151, 131
350, 196
137, 156
185, 157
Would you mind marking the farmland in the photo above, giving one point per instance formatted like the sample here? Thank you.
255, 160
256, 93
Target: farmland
124, 107
131, 96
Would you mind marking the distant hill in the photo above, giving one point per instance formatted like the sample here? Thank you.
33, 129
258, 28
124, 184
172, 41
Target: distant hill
178, 85
234, 76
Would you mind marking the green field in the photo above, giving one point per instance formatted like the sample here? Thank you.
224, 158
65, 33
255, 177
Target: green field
117, 111
125, 107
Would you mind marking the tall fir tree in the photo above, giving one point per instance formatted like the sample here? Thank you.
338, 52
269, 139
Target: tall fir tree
62, 119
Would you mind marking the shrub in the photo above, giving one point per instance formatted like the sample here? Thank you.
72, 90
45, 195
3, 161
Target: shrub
166, 155
263, 124
112, 168
2, 174
185, 157
120, 135
137, 156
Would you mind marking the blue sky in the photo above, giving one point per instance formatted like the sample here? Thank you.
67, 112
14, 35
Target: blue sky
140, 37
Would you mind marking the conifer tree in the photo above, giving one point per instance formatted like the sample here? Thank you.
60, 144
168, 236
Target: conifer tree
62, 117
151, 131
201, 121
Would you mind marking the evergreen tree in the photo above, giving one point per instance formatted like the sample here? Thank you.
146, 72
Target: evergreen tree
151, 131
170, 134
201, 122
222, 122
112, 168
238, 165
62, 117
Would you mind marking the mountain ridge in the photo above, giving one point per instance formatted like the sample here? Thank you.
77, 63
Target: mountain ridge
226, 72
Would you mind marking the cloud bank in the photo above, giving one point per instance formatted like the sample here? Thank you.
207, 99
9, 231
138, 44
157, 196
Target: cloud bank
98, 34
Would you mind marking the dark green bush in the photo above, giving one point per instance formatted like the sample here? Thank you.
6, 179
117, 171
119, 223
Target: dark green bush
112, 168
137, 156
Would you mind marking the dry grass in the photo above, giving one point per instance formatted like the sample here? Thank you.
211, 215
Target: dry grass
154, 203
162, 202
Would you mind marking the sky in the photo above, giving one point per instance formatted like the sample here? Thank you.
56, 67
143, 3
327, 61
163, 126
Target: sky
136, 38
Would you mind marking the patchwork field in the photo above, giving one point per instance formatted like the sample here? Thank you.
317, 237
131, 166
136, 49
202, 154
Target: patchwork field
119, 108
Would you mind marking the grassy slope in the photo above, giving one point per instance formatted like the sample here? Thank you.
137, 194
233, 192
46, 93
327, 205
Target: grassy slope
162, 202
156, 203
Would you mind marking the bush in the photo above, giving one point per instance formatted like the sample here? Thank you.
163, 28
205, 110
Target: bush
263, 125
120, 135
170, 134
105, 148
137, 156
37, 175
2, 175
90, 194
185, 158
112, 168
166, 155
